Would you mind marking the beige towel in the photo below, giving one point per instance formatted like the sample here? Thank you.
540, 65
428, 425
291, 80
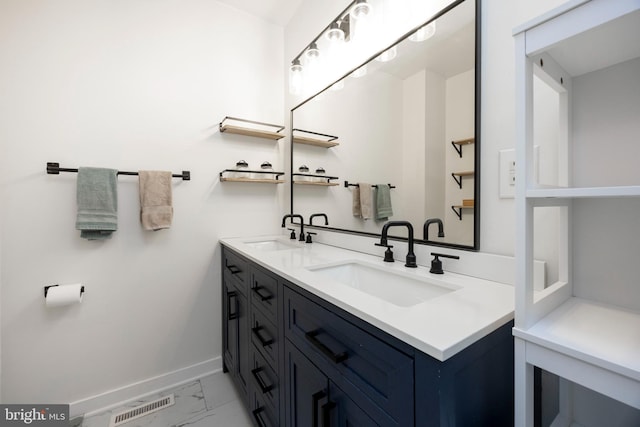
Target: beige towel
366, 200
156, 210
355, 204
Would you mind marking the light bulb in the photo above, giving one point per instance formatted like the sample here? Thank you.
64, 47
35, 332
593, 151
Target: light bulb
424, 33
335, 33
387, 55
295, 78
361, 9
312, 53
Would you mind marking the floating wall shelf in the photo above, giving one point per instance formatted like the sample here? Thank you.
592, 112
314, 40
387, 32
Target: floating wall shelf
316, 181
458, 144
459, 208
315, 138
457, 176
269, 177
251, 131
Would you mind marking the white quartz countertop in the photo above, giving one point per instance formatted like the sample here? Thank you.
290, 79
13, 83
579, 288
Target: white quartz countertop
440, 327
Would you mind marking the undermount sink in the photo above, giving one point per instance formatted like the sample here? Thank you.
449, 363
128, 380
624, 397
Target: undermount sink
272, 245
398, 288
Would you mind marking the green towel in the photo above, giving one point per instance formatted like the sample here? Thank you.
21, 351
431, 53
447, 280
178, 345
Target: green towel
97, 196
383, 202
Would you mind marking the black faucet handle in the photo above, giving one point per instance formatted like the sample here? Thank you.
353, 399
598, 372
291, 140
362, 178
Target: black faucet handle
436, 264
388, 254
293, 233
309, 233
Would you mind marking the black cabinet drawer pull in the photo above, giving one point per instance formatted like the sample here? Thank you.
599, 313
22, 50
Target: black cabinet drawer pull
263, 341
326, 413
263, 387
235, 314
315, 399
335, 358
263, 297
256, 415
232, 268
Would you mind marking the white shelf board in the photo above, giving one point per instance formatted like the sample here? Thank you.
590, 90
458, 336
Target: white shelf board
602, 335
582, 192
580, 39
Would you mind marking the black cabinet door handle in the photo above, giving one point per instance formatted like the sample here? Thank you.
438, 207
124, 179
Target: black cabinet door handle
235, 314
315, 399
256, 415
263, 387
326, 413
264, 341
334, 357
263, 297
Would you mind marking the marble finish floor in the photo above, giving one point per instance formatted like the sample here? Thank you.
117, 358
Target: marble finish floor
207, 402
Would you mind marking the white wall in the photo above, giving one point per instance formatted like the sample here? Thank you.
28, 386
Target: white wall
129, 85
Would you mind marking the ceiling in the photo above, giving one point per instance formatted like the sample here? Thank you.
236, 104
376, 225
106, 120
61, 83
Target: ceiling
276, 11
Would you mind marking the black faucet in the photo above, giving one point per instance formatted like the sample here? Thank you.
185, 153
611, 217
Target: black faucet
427, 223
292, 216
326, 219
411, 257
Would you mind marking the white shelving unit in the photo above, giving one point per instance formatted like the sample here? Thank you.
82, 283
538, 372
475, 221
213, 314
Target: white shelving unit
589, 342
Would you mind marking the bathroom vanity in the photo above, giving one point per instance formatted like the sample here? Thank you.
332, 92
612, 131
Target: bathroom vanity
306, 347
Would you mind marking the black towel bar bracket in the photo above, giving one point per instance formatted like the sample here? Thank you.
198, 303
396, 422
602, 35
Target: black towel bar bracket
348, 184
55, 169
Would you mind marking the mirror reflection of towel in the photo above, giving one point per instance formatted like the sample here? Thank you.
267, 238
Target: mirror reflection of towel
97, 197
366, 200
355, 202
383, 202
156, 210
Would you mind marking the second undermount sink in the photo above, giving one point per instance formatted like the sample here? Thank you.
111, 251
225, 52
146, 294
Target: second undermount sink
272, 245
403, 289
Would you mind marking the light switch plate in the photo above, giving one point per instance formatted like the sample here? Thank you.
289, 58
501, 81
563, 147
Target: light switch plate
508, 171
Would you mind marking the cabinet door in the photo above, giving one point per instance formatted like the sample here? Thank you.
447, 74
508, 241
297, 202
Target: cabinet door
229, 327
343, 412
306, 390
235, 334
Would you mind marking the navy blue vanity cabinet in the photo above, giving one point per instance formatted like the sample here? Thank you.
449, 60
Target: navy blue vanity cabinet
300, 361
235, 315
375, 375
471, 388
314, 400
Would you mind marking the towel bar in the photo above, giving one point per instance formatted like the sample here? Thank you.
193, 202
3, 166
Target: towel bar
347, 184
55, 169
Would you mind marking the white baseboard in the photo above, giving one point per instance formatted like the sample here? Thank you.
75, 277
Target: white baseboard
117, 397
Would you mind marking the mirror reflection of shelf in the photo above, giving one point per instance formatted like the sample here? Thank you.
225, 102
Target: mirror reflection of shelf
318, 180
263, 130
459, 208
270, 177
457, 176
315, 138
458, 144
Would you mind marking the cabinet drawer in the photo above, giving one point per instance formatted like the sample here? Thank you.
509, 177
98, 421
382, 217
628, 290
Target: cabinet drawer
264, 336
265, 381
263, 415
264, 293
236, 266
364, 366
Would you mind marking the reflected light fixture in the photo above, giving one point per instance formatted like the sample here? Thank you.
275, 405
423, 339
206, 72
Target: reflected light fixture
361, 9
335, 33
387, 55
295, 77
424, 33
312, 53
359, 72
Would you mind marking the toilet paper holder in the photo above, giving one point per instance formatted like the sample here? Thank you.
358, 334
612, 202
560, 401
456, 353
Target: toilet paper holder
46, 289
